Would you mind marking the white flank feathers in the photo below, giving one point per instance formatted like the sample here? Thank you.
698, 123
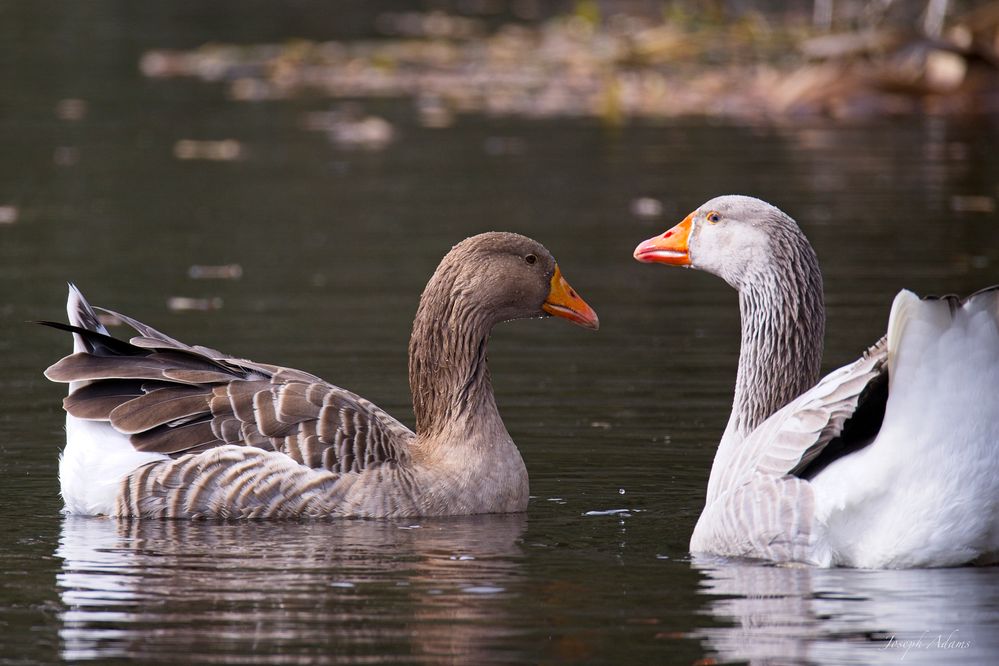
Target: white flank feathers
926, 491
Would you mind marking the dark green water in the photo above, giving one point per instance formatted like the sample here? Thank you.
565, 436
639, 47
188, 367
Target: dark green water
335, 247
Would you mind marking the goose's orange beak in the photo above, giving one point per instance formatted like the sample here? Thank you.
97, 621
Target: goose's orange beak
563, 301
668, 248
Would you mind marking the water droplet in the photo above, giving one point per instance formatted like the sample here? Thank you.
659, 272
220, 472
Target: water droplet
482, 589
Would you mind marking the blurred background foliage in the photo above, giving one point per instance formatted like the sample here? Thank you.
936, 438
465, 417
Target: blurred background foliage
622, 59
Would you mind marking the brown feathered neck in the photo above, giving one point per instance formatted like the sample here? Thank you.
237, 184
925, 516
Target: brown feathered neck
783, 324
448, 375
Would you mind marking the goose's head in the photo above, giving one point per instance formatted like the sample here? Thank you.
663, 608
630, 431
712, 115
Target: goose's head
730, 236
510, 276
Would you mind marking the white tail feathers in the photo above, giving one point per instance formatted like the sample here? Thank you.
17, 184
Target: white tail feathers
926, 491
81, 314
96, 456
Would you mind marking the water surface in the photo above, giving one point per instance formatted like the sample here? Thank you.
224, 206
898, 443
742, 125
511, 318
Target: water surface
335, 246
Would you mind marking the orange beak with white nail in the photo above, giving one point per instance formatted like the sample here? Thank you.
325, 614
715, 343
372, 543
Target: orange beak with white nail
670, 248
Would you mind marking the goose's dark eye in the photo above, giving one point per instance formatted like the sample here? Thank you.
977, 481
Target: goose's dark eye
713, 217
530, 258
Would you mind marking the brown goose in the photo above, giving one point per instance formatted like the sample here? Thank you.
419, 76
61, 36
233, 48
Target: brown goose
159, 428
889, 462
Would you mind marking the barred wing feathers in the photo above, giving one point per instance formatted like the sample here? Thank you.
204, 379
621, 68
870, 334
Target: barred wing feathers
176, 399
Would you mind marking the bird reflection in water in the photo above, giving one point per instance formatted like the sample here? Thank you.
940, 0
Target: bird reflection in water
800, 614
344, 590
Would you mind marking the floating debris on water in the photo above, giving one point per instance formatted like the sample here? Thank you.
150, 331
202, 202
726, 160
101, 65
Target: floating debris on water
621, 491
349, 127
624, 513
184, 303
462, 558
972, 204
603, 425
483, 589
370, 132
433, 112
409, 527
8, 214
225, 150
343, 584
646, 207
434, 24
221, 272
71, 109
251, 90
65, 156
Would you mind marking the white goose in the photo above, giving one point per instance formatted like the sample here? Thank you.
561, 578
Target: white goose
889, 462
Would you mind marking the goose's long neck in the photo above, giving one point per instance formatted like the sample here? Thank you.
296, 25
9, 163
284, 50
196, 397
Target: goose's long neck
448, 375
783, 323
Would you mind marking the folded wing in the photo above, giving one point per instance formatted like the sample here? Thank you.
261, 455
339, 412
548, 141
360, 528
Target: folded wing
175, 399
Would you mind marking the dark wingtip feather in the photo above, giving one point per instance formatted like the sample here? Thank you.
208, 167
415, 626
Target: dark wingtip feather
56, 324
99, 344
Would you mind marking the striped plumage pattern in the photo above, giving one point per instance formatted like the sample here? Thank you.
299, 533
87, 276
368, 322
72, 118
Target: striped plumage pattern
758, 504
768, 516
245, 439
155, 427
248, 482
177, 399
